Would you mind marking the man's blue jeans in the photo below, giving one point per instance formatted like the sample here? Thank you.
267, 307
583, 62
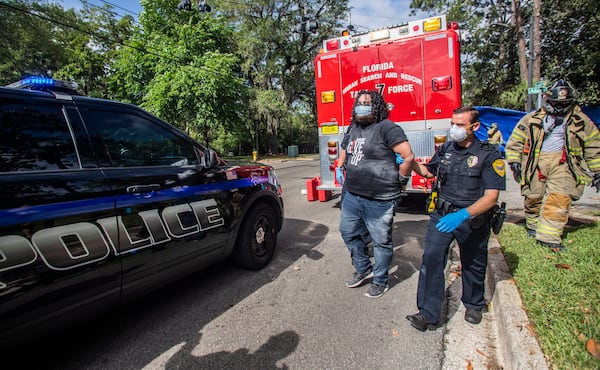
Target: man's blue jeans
377, 216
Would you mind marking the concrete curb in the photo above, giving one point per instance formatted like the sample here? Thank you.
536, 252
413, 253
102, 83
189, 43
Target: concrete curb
517, 345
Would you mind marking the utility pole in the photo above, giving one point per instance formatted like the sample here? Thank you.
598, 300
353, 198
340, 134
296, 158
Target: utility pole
529, 107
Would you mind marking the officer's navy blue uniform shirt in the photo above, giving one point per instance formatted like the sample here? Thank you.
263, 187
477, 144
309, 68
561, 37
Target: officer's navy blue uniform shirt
465, 173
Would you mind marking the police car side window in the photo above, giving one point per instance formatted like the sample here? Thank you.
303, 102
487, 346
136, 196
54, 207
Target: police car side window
35, 137
130, 140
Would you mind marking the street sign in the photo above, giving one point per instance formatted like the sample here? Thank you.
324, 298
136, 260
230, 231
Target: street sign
534, 90
539, 84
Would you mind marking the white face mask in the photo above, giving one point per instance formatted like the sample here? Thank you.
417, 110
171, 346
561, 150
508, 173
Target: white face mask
458, 134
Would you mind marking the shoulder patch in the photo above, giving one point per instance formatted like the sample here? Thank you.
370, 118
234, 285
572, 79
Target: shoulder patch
498, 166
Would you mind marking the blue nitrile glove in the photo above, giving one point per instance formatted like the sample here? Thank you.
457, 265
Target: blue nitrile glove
451, 221
339, 175
399, 159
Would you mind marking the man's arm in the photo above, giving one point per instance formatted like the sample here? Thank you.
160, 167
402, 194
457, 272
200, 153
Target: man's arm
406, 153
516, 142
342, 158
485, 203
422, 170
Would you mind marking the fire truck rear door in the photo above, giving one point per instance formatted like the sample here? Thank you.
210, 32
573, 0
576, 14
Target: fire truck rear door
358, 72
403, 84
329, 101
442, 77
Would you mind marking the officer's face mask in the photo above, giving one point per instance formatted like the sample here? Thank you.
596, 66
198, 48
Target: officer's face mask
459, 133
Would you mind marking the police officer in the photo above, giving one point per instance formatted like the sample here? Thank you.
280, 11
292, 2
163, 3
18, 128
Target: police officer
470, 175
550, 152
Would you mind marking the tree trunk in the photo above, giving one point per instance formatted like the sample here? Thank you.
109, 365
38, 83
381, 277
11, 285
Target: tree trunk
537, 43
516, 21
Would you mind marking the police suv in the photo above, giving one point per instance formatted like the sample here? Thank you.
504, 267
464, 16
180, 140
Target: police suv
101, 202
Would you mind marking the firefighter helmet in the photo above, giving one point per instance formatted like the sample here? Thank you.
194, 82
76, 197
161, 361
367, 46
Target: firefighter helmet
559, 97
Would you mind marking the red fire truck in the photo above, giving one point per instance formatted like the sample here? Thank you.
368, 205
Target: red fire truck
416, 66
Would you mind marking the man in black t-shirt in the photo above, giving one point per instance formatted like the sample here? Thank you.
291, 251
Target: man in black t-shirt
372, 185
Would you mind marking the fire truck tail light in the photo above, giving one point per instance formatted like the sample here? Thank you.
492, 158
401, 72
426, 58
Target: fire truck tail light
332, 150
328, 97
332, 45
438, 140
379, 35
432, 24
441, 83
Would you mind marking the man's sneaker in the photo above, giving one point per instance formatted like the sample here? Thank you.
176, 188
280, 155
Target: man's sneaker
531, 233
376, 290
554, 246
358, 278
473, 316
419, 322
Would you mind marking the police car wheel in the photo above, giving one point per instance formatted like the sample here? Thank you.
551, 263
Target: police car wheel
257, 238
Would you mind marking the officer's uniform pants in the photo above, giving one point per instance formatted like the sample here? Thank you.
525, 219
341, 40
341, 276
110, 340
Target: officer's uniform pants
473, 257
548, 197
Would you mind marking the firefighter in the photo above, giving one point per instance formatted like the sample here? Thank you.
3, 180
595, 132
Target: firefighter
550, 152
469, 176
494, 135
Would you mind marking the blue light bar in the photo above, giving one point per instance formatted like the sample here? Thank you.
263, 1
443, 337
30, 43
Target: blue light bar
34, 80
46, 84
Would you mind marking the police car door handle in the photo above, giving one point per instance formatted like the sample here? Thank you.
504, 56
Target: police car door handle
143, 188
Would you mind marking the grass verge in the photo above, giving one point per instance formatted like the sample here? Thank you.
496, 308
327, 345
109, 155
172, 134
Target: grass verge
560, 291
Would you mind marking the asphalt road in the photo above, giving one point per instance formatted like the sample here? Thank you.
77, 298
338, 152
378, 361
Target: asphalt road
296, 313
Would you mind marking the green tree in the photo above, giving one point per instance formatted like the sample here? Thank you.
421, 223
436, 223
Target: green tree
181, 66
571, 45
31, 40
277, 49
502, 47
100, 33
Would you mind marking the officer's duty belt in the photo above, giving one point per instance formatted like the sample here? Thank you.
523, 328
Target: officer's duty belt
444, 207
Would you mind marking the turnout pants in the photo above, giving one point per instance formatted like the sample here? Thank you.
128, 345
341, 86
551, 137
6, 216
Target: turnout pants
548, 197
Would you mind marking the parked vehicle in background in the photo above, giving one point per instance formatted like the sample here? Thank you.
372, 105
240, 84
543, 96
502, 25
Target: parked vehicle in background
415, 66
102, 202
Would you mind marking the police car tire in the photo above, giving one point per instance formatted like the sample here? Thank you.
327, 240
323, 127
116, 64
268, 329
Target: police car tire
256, 239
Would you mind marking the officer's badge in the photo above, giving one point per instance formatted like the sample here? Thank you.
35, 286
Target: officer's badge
472, 161
498, 166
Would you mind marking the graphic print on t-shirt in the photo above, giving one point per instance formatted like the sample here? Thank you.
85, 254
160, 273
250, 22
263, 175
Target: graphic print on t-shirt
356, 149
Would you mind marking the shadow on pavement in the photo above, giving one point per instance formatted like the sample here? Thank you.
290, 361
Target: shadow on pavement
276, 348
176, 314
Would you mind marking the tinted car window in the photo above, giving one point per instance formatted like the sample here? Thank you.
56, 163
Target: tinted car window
35, 138
131, 140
